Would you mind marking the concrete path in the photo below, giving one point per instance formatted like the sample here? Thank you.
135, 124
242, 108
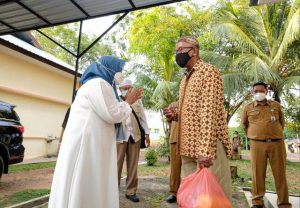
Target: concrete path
270, 200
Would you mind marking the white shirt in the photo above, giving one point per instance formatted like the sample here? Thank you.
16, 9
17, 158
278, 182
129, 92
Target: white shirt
129, 128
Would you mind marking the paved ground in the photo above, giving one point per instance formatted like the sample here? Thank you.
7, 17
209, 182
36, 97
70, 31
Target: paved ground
153, 191
20, 181
270, 200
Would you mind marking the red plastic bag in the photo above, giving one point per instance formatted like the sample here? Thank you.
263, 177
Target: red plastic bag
201, 190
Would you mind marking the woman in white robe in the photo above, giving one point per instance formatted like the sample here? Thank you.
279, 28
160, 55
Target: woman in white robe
86, 171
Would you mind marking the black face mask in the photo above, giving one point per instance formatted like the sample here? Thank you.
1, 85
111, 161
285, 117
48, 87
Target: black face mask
183, 58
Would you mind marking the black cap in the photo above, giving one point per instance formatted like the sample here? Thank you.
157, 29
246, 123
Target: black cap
260, 83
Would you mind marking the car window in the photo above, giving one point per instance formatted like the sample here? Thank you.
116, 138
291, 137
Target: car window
8, 113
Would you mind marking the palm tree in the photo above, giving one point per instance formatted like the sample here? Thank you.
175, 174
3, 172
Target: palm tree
261, 40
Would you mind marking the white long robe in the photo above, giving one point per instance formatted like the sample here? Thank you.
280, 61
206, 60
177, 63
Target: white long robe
86, 171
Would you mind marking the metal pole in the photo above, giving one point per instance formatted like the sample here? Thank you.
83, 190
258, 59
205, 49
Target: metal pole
77, 60
106, 31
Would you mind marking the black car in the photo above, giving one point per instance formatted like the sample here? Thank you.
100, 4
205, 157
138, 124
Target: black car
11, 137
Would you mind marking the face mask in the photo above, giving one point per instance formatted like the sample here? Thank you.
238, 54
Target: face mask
259, 96
119, 77
182, 58
124, 93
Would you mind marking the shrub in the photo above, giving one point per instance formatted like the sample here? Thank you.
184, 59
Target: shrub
163, 150
151, 156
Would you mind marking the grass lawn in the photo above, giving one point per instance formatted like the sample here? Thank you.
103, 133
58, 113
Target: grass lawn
23, 196
244, 173
162, 169
32, 166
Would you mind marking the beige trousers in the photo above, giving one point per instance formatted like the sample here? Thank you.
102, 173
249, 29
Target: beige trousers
220, 169
131, 151
175, 163
276, 153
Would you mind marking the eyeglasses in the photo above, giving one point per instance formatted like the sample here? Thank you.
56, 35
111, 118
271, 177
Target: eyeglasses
179, 50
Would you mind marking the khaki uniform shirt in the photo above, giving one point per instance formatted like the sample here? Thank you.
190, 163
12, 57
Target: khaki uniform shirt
202, 118
263, 121
174, 124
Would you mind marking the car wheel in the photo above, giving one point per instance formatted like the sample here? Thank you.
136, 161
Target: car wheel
1, 166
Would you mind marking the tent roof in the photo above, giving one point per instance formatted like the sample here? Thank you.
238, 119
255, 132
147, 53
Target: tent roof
23, 15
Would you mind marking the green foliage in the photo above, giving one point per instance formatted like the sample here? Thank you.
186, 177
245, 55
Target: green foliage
152, 35
292, 115
261, 41
151, 156
67, 35
22, 196
163, 149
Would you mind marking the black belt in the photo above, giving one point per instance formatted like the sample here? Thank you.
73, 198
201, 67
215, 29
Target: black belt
266, 140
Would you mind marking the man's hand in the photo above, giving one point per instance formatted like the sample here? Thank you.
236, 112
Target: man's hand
133, 95
169, 112
147, 141
204, 162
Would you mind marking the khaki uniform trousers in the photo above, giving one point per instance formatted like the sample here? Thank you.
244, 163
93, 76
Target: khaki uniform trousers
175, 163
276, 153
131, 151
220, 169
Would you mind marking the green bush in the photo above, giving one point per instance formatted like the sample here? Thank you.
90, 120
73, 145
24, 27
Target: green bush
151, 156
163, 150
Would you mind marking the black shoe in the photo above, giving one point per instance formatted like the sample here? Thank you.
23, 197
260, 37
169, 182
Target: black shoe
171, 199
257, 206
132, 198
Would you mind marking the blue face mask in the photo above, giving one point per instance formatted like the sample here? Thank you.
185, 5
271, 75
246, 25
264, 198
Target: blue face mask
124, 93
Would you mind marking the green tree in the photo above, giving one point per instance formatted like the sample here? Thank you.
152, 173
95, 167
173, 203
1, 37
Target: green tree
67, 35
263, 41
153, 34
292, 114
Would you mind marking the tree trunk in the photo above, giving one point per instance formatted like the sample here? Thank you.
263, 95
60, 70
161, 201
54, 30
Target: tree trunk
165, 127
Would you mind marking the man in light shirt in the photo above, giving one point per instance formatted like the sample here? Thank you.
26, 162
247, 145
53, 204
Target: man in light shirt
130, 146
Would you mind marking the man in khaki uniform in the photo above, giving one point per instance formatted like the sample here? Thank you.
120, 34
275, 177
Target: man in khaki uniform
130, 147
263, 122
237, 146
203, 135
175, 159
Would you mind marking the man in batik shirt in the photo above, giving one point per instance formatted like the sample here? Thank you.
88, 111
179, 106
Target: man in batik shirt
203, 136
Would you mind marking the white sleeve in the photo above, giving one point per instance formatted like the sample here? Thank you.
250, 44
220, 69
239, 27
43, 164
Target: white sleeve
143, 120
103, 101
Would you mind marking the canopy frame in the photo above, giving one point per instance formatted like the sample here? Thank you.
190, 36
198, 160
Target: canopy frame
86, 15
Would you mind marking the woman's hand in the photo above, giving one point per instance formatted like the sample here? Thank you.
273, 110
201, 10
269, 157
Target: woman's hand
133, 95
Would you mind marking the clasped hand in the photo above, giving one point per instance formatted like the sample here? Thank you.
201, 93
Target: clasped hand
133, 95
